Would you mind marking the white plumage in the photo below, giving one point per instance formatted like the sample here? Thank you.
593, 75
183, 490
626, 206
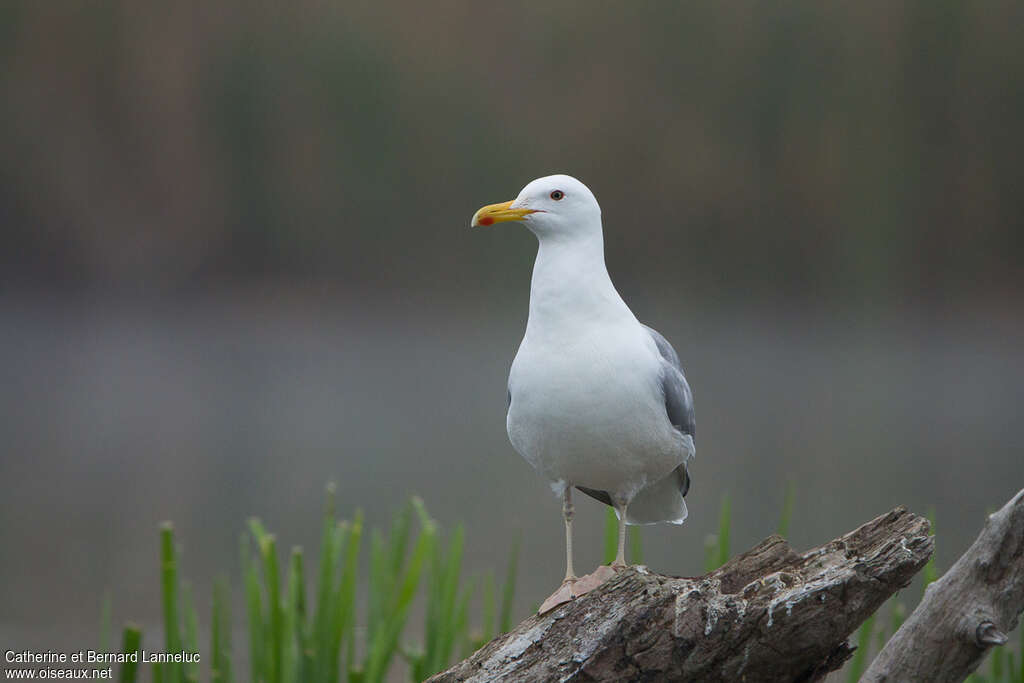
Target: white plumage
597, 400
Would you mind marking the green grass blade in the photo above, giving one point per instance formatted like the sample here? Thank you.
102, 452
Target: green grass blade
272, 625
220, 633
461, 625
488, 623
860, 657
716, 548
448, 623
380, 581
295, 618
930, 574
724, 527
710, 552
636, 547
996, 659
509, 589
291, 640
384, 638
131, 641
882, 635
257, 530
271, 578
1020, 652
897, 616
216, 624
330, 550
327, 660
344, 604
254, 611
326, 655
421, 660
169, 584
446, 595
190, 670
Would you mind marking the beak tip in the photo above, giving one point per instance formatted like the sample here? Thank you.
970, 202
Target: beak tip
480, 220
497, 213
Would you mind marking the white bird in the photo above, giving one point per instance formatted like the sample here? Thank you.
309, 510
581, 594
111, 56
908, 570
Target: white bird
597, 400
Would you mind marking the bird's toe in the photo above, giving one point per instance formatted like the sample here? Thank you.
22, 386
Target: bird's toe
565, 593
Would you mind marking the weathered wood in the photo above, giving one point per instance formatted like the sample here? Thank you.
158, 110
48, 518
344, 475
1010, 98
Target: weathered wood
769, 614
970, 609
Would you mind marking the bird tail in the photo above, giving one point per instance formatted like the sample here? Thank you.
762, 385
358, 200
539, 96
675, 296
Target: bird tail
662, 501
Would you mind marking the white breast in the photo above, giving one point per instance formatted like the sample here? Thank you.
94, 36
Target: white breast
587, 408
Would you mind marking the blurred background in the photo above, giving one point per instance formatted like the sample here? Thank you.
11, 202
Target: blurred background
236, 266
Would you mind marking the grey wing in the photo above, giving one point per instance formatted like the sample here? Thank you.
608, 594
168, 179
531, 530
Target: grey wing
678, 397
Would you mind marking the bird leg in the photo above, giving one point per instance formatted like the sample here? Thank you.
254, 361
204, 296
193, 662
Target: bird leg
573, 587
566, 591
568, 512
605, 572
620, 557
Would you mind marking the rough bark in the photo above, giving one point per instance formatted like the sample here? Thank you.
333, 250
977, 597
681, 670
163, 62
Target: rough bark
966, 612
769, 614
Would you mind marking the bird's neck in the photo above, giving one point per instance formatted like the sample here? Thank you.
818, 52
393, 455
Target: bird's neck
571, 286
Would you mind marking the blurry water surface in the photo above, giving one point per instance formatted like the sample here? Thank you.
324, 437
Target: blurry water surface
116, 417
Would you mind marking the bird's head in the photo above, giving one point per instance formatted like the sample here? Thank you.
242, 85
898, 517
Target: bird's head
553, 205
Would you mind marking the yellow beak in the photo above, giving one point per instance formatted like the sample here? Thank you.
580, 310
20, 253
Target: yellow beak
498, 213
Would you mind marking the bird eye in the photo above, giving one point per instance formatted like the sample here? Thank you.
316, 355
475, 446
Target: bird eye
557, 194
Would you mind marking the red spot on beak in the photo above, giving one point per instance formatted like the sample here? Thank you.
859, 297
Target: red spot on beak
486, 220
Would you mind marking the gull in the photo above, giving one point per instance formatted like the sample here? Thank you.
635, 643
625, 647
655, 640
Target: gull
597, 401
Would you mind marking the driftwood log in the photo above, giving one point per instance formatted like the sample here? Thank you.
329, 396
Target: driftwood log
966, 612
768, 615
